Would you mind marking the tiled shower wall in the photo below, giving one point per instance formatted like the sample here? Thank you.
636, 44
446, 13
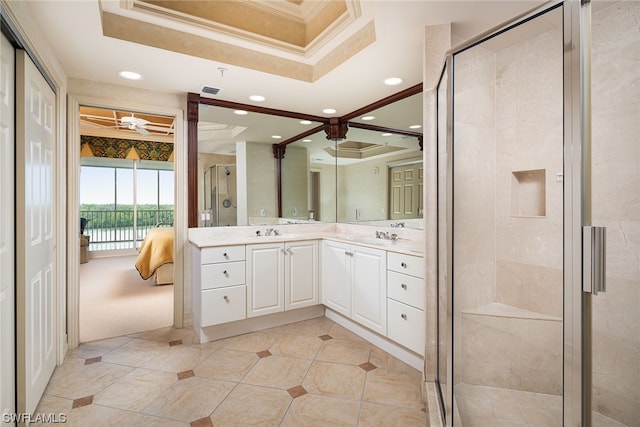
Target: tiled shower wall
616, 204
508, 113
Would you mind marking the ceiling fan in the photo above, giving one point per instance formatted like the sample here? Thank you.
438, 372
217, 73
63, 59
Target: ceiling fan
135, 123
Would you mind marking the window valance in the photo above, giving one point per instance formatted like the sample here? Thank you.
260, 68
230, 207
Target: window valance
116, 148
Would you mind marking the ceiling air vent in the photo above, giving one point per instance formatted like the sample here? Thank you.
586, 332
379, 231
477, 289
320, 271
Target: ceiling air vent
210, 90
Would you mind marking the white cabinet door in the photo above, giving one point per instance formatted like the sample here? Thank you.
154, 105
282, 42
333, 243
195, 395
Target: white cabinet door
301, 274
336, 277
265, 279
369, 288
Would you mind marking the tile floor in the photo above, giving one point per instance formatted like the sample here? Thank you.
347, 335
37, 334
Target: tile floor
311, 373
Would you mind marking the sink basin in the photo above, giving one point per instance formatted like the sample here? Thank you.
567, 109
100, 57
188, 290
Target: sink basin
278, 237
372, 241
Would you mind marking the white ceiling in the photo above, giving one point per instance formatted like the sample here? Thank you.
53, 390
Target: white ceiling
74, 30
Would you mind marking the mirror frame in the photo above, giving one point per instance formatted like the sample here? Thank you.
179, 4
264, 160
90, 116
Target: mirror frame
334, 127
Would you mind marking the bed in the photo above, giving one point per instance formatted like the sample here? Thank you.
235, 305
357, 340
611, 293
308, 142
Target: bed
155, 257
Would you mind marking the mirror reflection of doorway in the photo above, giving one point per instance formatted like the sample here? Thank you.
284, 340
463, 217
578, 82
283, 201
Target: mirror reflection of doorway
221, 196
405, 190
315, 196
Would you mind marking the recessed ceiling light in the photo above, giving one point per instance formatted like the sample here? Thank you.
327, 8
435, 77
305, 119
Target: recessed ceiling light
329, 111
368, 118
415, 126
276, 137
306, 140
241, 112
257, 98
387, 134
130, 75
305, 122
393, 81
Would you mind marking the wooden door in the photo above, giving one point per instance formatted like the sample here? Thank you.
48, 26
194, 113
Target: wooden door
7, 248
36, 242
405, 191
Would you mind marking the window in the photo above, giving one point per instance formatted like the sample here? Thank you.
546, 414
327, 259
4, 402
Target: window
123, 199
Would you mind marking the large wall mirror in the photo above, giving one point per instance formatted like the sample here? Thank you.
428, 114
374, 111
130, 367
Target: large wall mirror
253, 166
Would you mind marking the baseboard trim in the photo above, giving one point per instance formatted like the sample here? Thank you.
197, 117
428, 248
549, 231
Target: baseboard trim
254, 324
407, 356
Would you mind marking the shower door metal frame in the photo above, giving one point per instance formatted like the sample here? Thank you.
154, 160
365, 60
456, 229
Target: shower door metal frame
576, 111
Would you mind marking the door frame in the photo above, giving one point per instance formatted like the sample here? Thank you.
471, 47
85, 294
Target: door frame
73, 203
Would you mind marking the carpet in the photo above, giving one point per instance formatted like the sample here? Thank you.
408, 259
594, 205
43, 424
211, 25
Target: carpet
114, 300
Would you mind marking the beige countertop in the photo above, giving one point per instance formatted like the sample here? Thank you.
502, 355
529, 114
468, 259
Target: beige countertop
401, 245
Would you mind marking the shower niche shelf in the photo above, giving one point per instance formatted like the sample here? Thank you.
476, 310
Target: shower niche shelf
528, 193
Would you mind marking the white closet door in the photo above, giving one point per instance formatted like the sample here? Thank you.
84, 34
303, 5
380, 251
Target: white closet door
36, 242
7, 249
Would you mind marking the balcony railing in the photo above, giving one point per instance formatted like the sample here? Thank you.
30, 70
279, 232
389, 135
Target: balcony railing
117, 226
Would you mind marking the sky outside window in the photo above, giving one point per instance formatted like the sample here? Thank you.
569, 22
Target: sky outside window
98, 186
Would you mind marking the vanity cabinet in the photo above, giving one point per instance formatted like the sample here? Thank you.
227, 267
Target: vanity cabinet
406, 301
281, 276
355, 283
219, 294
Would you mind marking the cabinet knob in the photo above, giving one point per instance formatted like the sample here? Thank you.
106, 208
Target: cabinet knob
289, 250
225, 255
404, 316
225, 273
403, 286
226, 298
403, 264
283, 251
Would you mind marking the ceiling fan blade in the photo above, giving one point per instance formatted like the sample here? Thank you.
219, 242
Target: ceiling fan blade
142, 131
159, 128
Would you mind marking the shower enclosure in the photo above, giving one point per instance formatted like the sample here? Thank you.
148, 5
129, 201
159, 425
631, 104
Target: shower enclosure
220, 196
539, 221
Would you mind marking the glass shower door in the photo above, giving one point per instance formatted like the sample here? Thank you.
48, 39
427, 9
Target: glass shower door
507, 218
613, 198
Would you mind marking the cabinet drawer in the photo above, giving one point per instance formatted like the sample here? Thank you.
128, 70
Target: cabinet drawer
406, 326
223, 274
223, 305
222, 254
407, 289
407, 264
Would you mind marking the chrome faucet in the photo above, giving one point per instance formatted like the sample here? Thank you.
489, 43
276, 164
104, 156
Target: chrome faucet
382, 235
398, 225
385, 235
270, 231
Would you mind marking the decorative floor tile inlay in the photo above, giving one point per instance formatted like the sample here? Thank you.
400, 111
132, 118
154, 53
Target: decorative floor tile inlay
202, 422
93, 360
325, 337
174, 343
297, 391
83, 401
185, 374
264, 353
368, 366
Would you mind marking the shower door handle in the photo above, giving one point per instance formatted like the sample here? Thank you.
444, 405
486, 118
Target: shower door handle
594, 259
